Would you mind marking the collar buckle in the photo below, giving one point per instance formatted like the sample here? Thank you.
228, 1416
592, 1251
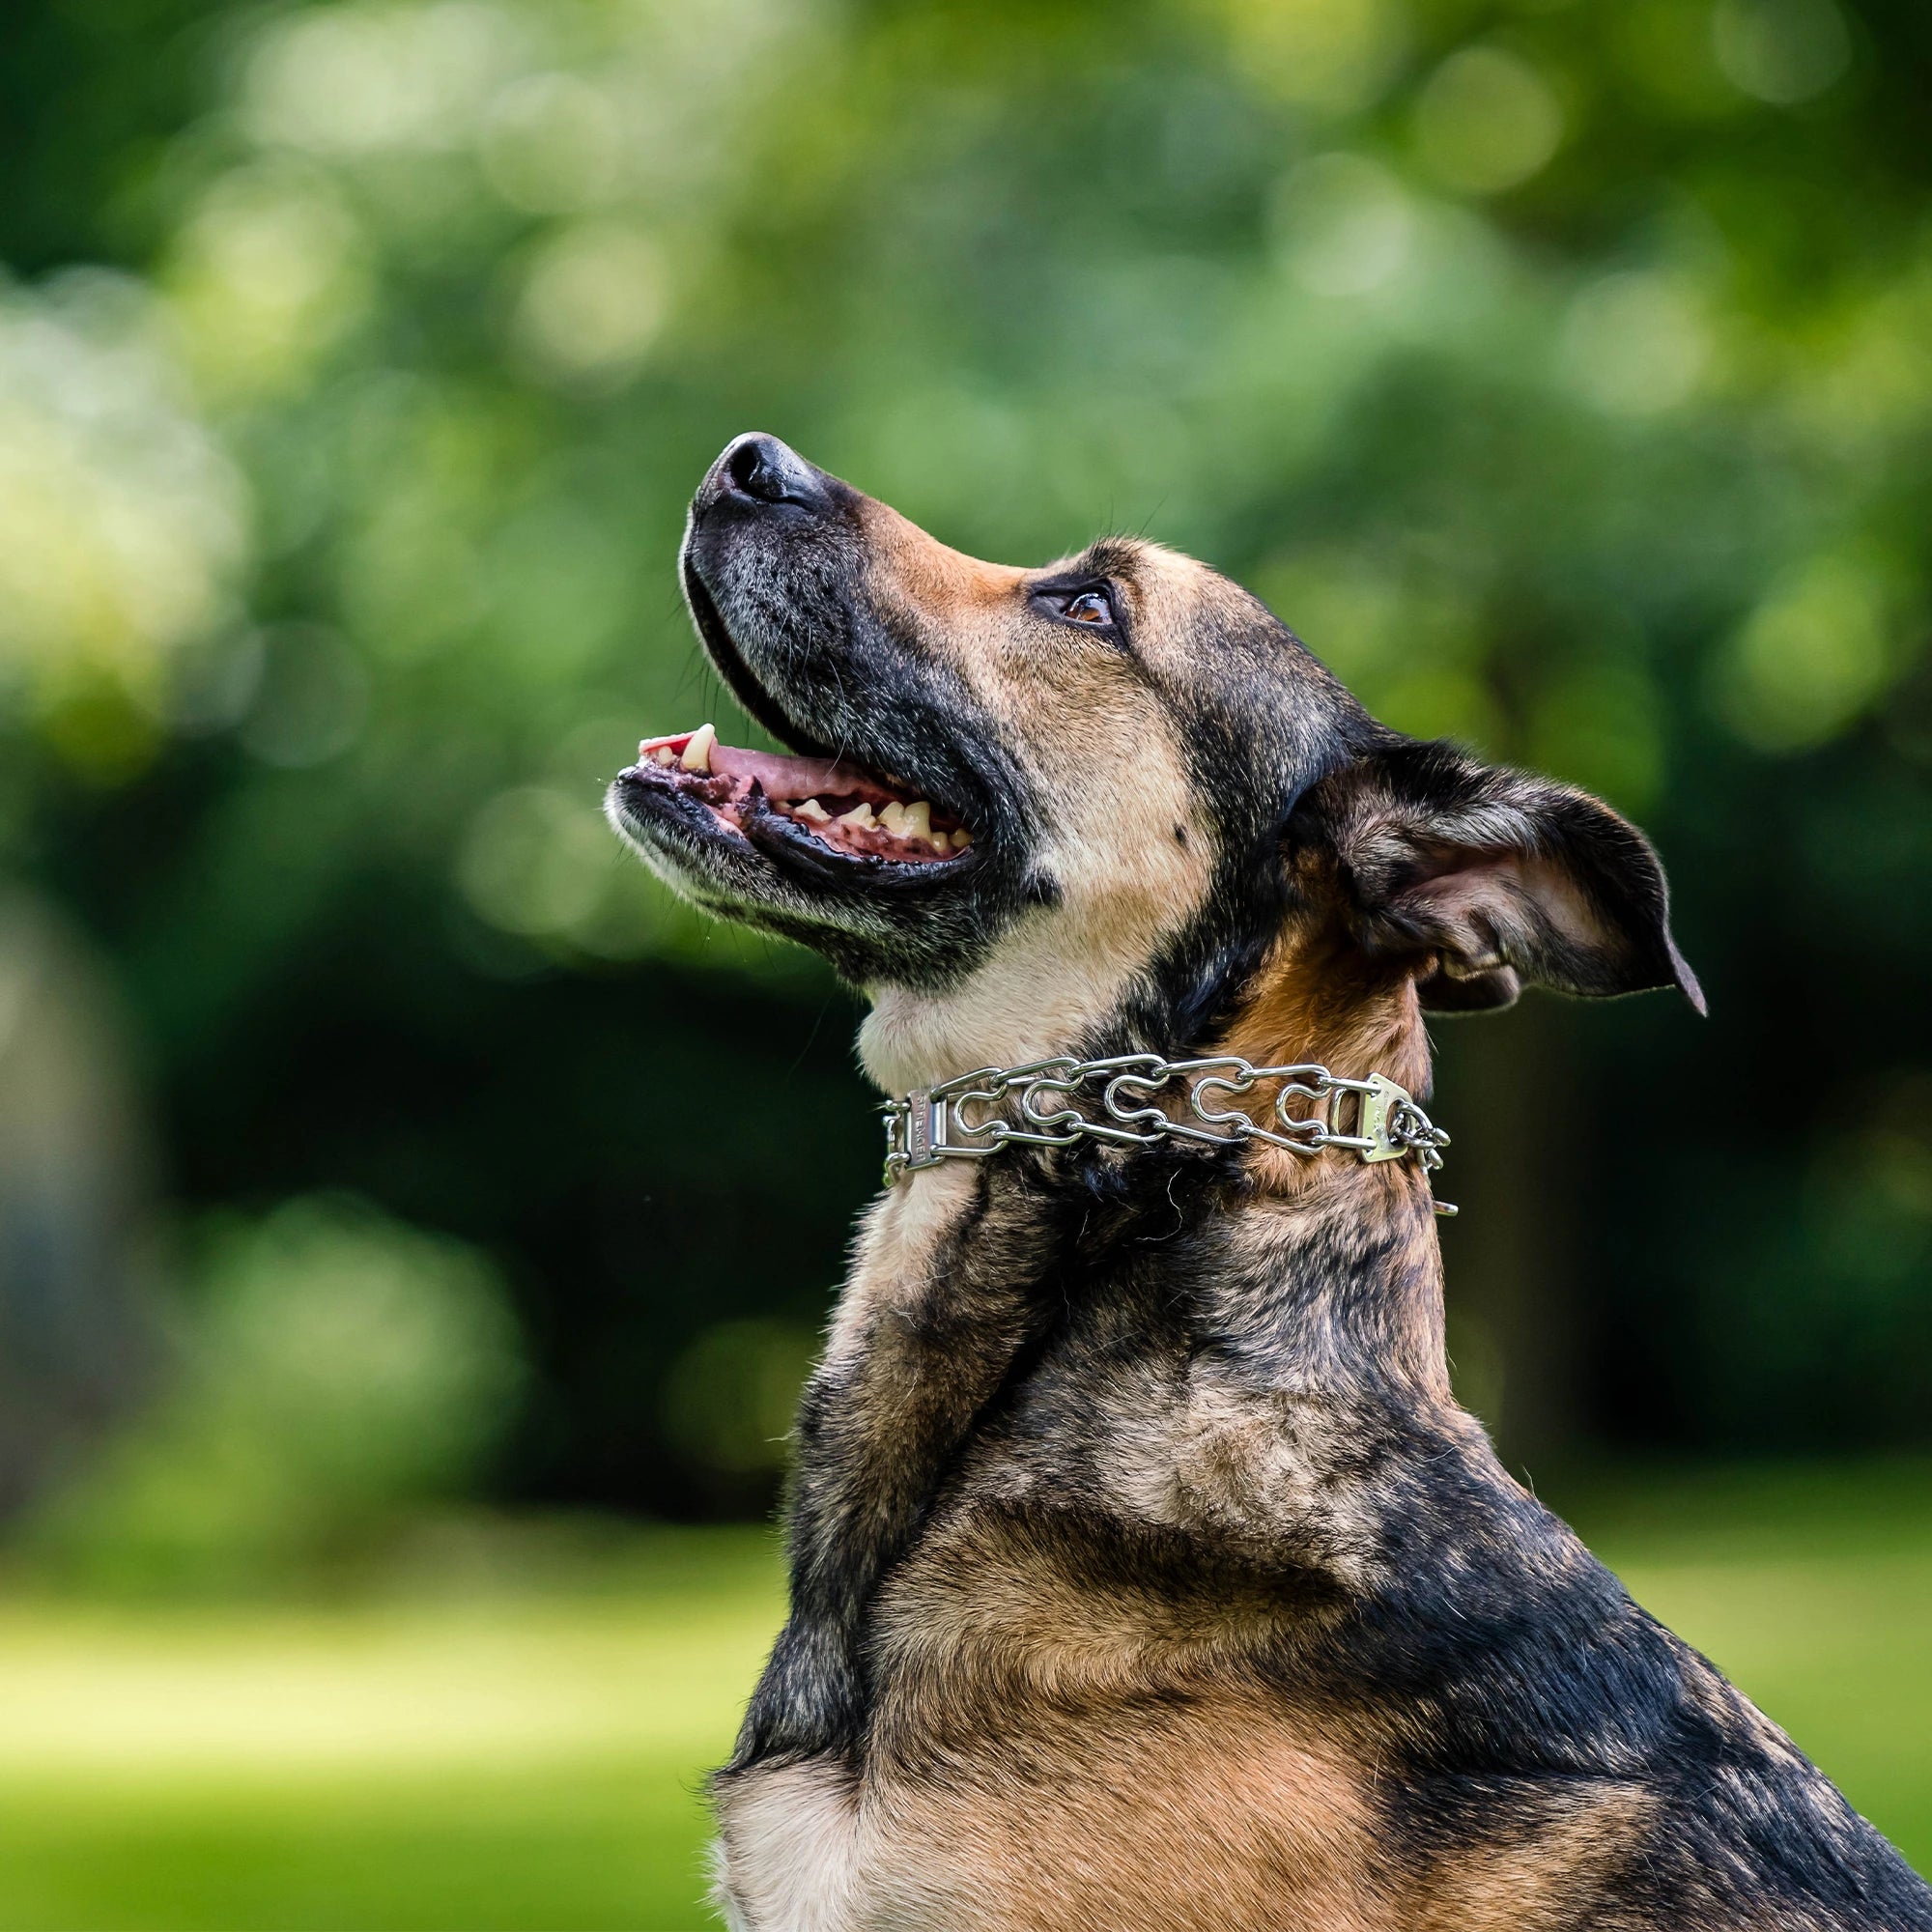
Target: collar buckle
924, 1127
1389, 1120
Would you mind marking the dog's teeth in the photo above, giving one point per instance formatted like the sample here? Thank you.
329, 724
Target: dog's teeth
893, 819
961, 840
859, 818
917, 822
664, 755
811, 811
698, 753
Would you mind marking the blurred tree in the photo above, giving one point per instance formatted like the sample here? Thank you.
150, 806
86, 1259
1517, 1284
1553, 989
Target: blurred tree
92, 92
1557, 371
77, 1233
338, 1373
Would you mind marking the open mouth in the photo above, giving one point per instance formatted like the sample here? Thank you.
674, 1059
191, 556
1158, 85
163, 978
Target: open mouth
850, 813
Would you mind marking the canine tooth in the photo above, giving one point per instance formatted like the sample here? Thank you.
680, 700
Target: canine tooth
811, 811
893, 819
918, 822
859, 818
698, 753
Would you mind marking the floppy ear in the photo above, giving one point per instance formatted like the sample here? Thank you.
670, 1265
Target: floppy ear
1492, 878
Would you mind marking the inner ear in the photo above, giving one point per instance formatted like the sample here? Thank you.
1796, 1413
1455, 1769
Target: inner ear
1480, 900
1490, 878
1442, 991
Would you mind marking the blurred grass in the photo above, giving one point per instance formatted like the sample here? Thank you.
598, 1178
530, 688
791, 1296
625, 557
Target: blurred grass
1811, 1588
517, 1738
514, 1734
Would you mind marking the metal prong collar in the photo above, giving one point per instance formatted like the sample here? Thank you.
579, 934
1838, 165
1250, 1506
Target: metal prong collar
1063, 1102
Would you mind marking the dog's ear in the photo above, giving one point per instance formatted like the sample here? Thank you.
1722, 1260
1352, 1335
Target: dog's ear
1492, 879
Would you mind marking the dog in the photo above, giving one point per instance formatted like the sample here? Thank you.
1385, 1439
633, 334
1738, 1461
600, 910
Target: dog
1143, 1571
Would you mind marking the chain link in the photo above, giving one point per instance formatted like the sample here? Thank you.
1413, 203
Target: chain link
973, 1116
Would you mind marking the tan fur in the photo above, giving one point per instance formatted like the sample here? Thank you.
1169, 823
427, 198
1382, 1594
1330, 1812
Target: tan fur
1541, 1880
1209, 1458
894, 1256
979, 1618
1316, 999
1315, 1002
1199, 1816
1095, 741
1048, 1758
1211, 1811
1185, 1819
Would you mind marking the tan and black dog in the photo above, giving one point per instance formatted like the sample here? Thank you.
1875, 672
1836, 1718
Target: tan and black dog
1145, 1574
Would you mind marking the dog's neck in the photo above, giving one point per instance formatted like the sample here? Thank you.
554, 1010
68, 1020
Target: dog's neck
1048, 988
1335, 1263
1335, 1285
1071, 985
1310, 1001
1317, 1278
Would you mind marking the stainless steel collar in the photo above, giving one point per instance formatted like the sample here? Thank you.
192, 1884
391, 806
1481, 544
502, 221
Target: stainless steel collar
971, 1118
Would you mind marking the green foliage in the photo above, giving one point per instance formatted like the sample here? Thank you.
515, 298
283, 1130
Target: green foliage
729, 1398
336, 1372
1400, 307
1556, 370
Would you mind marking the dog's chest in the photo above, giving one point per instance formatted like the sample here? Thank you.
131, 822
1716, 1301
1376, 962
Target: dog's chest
798, 1851
1211, 1816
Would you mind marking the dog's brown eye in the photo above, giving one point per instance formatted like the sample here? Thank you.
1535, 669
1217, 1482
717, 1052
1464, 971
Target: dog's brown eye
1090, 606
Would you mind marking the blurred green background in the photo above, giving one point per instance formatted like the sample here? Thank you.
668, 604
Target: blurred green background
413, 1224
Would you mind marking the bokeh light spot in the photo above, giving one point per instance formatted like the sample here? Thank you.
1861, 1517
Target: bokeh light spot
1635, 344
551, 144
1335, 55
268, 273
125, 526
1486, 121
592, 303
1784, 51
334, 1366
358, 79
1811, 657
536, 861
1343, 224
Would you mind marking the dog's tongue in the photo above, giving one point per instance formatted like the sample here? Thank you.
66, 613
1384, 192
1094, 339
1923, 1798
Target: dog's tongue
800, 777
782, 778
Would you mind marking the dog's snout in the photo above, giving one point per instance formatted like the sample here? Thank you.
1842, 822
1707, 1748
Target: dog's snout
756, 465
761, 469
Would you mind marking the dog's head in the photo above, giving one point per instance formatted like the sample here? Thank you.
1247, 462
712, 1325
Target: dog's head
1110, 805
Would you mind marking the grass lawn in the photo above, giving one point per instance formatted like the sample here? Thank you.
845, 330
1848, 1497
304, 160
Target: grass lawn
519, 1742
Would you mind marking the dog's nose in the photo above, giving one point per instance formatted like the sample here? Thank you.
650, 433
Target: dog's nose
766, 471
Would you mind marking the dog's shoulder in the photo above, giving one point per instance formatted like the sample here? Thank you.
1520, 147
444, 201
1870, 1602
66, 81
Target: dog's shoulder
1528, 1701
1486, 1705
